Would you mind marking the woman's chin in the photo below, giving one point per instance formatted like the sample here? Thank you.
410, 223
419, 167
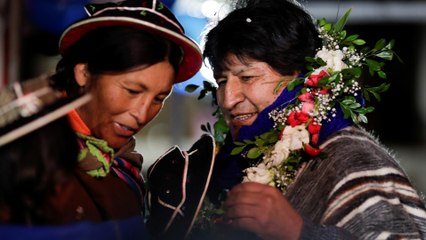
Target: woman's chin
117, 142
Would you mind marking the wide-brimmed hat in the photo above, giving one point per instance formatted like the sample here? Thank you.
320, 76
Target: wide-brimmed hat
29, 105
149, 15
178, 182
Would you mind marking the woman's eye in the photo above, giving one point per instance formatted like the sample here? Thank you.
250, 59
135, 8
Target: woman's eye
159, 100
132, 91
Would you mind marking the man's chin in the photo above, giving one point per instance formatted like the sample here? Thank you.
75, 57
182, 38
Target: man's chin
234, 132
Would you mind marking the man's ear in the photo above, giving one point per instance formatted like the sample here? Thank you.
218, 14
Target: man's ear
296, 74
81, 74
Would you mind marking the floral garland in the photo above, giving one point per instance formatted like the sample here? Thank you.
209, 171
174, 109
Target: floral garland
332, 82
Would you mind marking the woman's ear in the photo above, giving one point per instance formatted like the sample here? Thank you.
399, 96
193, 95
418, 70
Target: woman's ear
81, 74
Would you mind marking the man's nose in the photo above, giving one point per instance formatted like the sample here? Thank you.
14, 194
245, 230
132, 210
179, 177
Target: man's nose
232, 94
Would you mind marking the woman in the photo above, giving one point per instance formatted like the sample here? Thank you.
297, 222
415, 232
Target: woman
308, 170
39, 152
127, 55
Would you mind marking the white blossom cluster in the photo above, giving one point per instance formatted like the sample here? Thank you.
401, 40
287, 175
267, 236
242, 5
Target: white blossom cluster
331, 45
272, 169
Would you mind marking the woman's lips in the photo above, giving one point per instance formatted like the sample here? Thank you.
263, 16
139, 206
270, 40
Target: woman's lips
123, 130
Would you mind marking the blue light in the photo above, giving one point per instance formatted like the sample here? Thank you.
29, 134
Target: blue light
193, 28
54, 16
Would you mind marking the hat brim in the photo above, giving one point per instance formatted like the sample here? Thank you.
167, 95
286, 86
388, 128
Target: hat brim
192, 57
26, 125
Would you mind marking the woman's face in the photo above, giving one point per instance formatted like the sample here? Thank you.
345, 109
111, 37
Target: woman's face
122, 104
245, 89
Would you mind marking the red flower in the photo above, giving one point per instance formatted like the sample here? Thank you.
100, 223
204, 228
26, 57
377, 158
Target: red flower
296, 118
311, 150
324, 91
314, 127
313, 79
306, 97
314, 138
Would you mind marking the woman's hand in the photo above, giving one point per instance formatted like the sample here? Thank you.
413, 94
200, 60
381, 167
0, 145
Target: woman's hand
264, 210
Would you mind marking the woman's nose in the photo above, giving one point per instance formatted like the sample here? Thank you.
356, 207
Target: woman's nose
140, 113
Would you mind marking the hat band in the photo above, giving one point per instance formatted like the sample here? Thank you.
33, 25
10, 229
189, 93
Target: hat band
141, 10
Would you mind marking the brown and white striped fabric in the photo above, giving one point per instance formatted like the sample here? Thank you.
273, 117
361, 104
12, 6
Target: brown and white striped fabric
358, 191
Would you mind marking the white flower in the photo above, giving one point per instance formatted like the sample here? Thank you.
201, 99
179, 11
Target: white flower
278, 154
333, 58
259, 174
295, 137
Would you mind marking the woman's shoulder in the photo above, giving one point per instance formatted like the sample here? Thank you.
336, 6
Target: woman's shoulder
95, 199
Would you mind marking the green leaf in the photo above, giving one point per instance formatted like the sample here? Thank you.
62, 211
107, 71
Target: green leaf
354, 105
254, 153
219, 138
365, 110
280, 83
380, 44
342, 21
362, 118
327, 27
346, 111
271, 137
354, 118
191, 88
259, 142
220, 125
387, 55
348, 100
320, 62
373, 65
325, 80
310, 59
390, 45
375, 91
382, 74
355, 72
380, 89
369, 109
358, 42
351, 38
377, 96
366, 95
342, 34
294, 83
237, 150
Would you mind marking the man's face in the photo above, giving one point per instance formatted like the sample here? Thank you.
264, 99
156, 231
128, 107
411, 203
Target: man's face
246, 88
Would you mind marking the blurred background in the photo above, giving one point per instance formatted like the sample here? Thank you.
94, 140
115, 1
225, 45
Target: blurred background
30, 30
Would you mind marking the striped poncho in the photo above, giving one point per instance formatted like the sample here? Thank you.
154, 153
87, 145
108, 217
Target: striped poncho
358, 191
